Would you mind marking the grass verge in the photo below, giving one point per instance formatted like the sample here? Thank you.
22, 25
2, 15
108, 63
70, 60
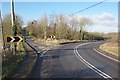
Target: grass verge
110, 47
56, 42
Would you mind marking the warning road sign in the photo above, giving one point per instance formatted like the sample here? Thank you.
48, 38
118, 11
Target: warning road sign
15, 39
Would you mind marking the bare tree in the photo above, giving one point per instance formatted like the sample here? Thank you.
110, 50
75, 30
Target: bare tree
19, 22
52, 25
44, 24
7, 29
74, 26
84, 24
61, 27
31, 28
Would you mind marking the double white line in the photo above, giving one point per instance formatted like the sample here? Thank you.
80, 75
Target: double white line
104, 75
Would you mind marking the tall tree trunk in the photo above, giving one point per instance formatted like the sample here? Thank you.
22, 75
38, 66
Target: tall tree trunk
81, 35
45, 33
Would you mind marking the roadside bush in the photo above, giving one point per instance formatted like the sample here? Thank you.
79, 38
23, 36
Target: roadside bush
10, 65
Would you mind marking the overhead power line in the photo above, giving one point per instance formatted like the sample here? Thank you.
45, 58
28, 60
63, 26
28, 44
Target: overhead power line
87, 8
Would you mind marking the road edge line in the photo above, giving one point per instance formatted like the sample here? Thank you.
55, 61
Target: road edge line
104, 75
105, 55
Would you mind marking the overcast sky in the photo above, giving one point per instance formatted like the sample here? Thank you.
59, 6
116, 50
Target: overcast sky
104, 16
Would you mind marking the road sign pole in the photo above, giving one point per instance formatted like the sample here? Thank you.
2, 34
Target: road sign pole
14, 28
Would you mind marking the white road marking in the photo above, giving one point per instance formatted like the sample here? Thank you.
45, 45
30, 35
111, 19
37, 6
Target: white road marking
106, 55
44, 51
104, 75
41, 55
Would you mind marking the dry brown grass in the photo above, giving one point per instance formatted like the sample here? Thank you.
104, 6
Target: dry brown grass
56, 42
51, 42
110, 47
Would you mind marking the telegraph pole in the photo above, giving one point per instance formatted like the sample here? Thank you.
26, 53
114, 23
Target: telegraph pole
1, 44
14, 28
1, 31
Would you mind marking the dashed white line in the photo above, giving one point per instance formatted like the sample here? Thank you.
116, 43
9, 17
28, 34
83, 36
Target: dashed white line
104, 75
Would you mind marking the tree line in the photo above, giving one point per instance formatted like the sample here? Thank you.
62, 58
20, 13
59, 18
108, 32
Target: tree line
61, 27
53, 26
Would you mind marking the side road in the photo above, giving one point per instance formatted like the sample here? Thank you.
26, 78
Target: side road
27, 66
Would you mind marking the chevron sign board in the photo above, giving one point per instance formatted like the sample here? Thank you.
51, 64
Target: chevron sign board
15, 39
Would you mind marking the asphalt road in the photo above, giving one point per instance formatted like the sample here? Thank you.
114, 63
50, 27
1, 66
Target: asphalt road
73, 60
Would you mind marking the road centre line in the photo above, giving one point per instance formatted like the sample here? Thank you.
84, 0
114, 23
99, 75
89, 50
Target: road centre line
104, 75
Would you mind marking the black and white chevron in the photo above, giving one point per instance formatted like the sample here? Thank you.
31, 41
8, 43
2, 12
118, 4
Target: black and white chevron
15, 39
